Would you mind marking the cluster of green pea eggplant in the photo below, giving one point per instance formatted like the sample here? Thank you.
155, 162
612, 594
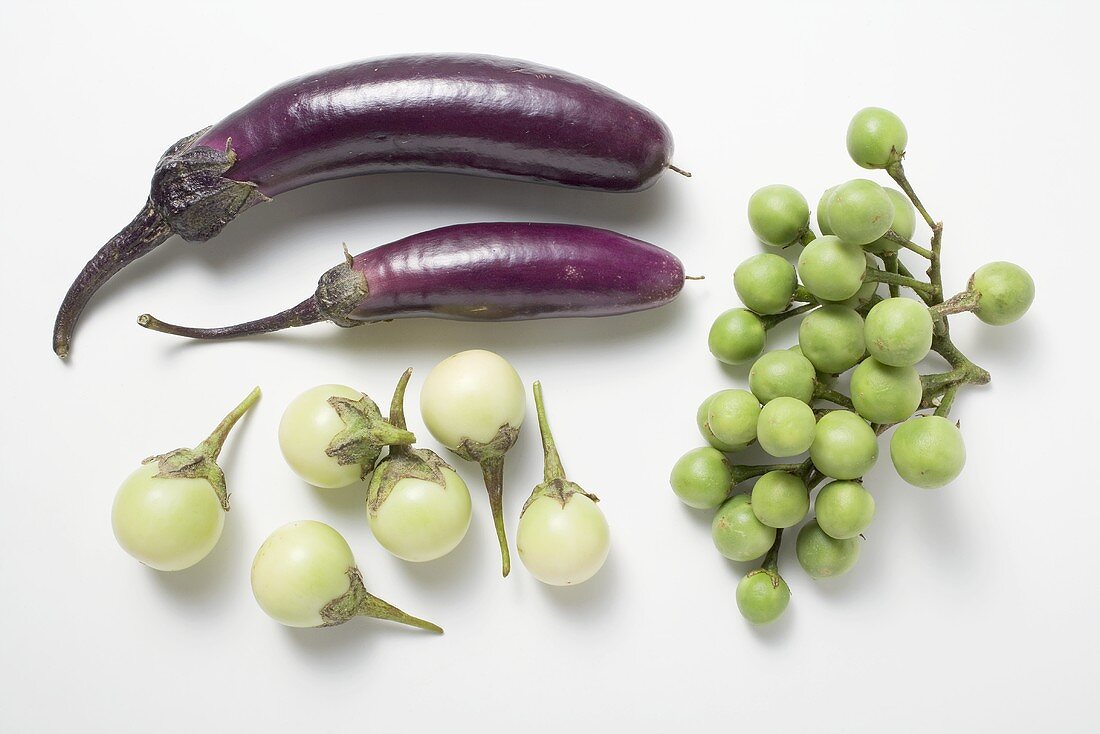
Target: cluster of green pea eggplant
170, 512
847, 324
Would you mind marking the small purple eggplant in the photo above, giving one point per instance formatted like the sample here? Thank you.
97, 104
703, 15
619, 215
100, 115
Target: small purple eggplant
491, 271
470, 114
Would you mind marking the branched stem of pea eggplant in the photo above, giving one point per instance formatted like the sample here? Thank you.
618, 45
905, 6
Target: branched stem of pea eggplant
940, 389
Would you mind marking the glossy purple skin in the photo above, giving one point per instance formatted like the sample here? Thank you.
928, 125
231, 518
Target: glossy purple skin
472, 114
504, 271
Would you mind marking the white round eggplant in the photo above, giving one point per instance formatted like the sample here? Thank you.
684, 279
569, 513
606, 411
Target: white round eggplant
472, 395
304, 575
563, 537
563, 544
473, 403
169, 513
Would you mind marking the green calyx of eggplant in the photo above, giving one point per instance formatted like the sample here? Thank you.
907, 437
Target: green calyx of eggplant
554, 484
561, 490
201, 462
403, 461
358, 602
365, 434
190, 193
490, 456
186, 463
422, 464
491, 451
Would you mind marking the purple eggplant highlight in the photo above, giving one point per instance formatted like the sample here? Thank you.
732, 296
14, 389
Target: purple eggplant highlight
452, 113
489, 271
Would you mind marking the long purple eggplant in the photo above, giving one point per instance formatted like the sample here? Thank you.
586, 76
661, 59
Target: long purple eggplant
469, 114
490, 271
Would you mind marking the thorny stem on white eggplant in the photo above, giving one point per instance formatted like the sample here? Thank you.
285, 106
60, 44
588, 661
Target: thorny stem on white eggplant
490, 456
212, 446
552, 467
358, 602
201, 462
492, 471
397, 411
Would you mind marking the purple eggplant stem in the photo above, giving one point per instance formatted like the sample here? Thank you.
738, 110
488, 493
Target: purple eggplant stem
468, 114
490, 271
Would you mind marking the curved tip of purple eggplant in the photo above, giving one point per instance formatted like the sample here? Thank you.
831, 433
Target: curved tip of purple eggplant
144, 233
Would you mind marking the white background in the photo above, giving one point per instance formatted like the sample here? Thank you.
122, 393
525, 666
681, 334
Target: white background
973, 608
